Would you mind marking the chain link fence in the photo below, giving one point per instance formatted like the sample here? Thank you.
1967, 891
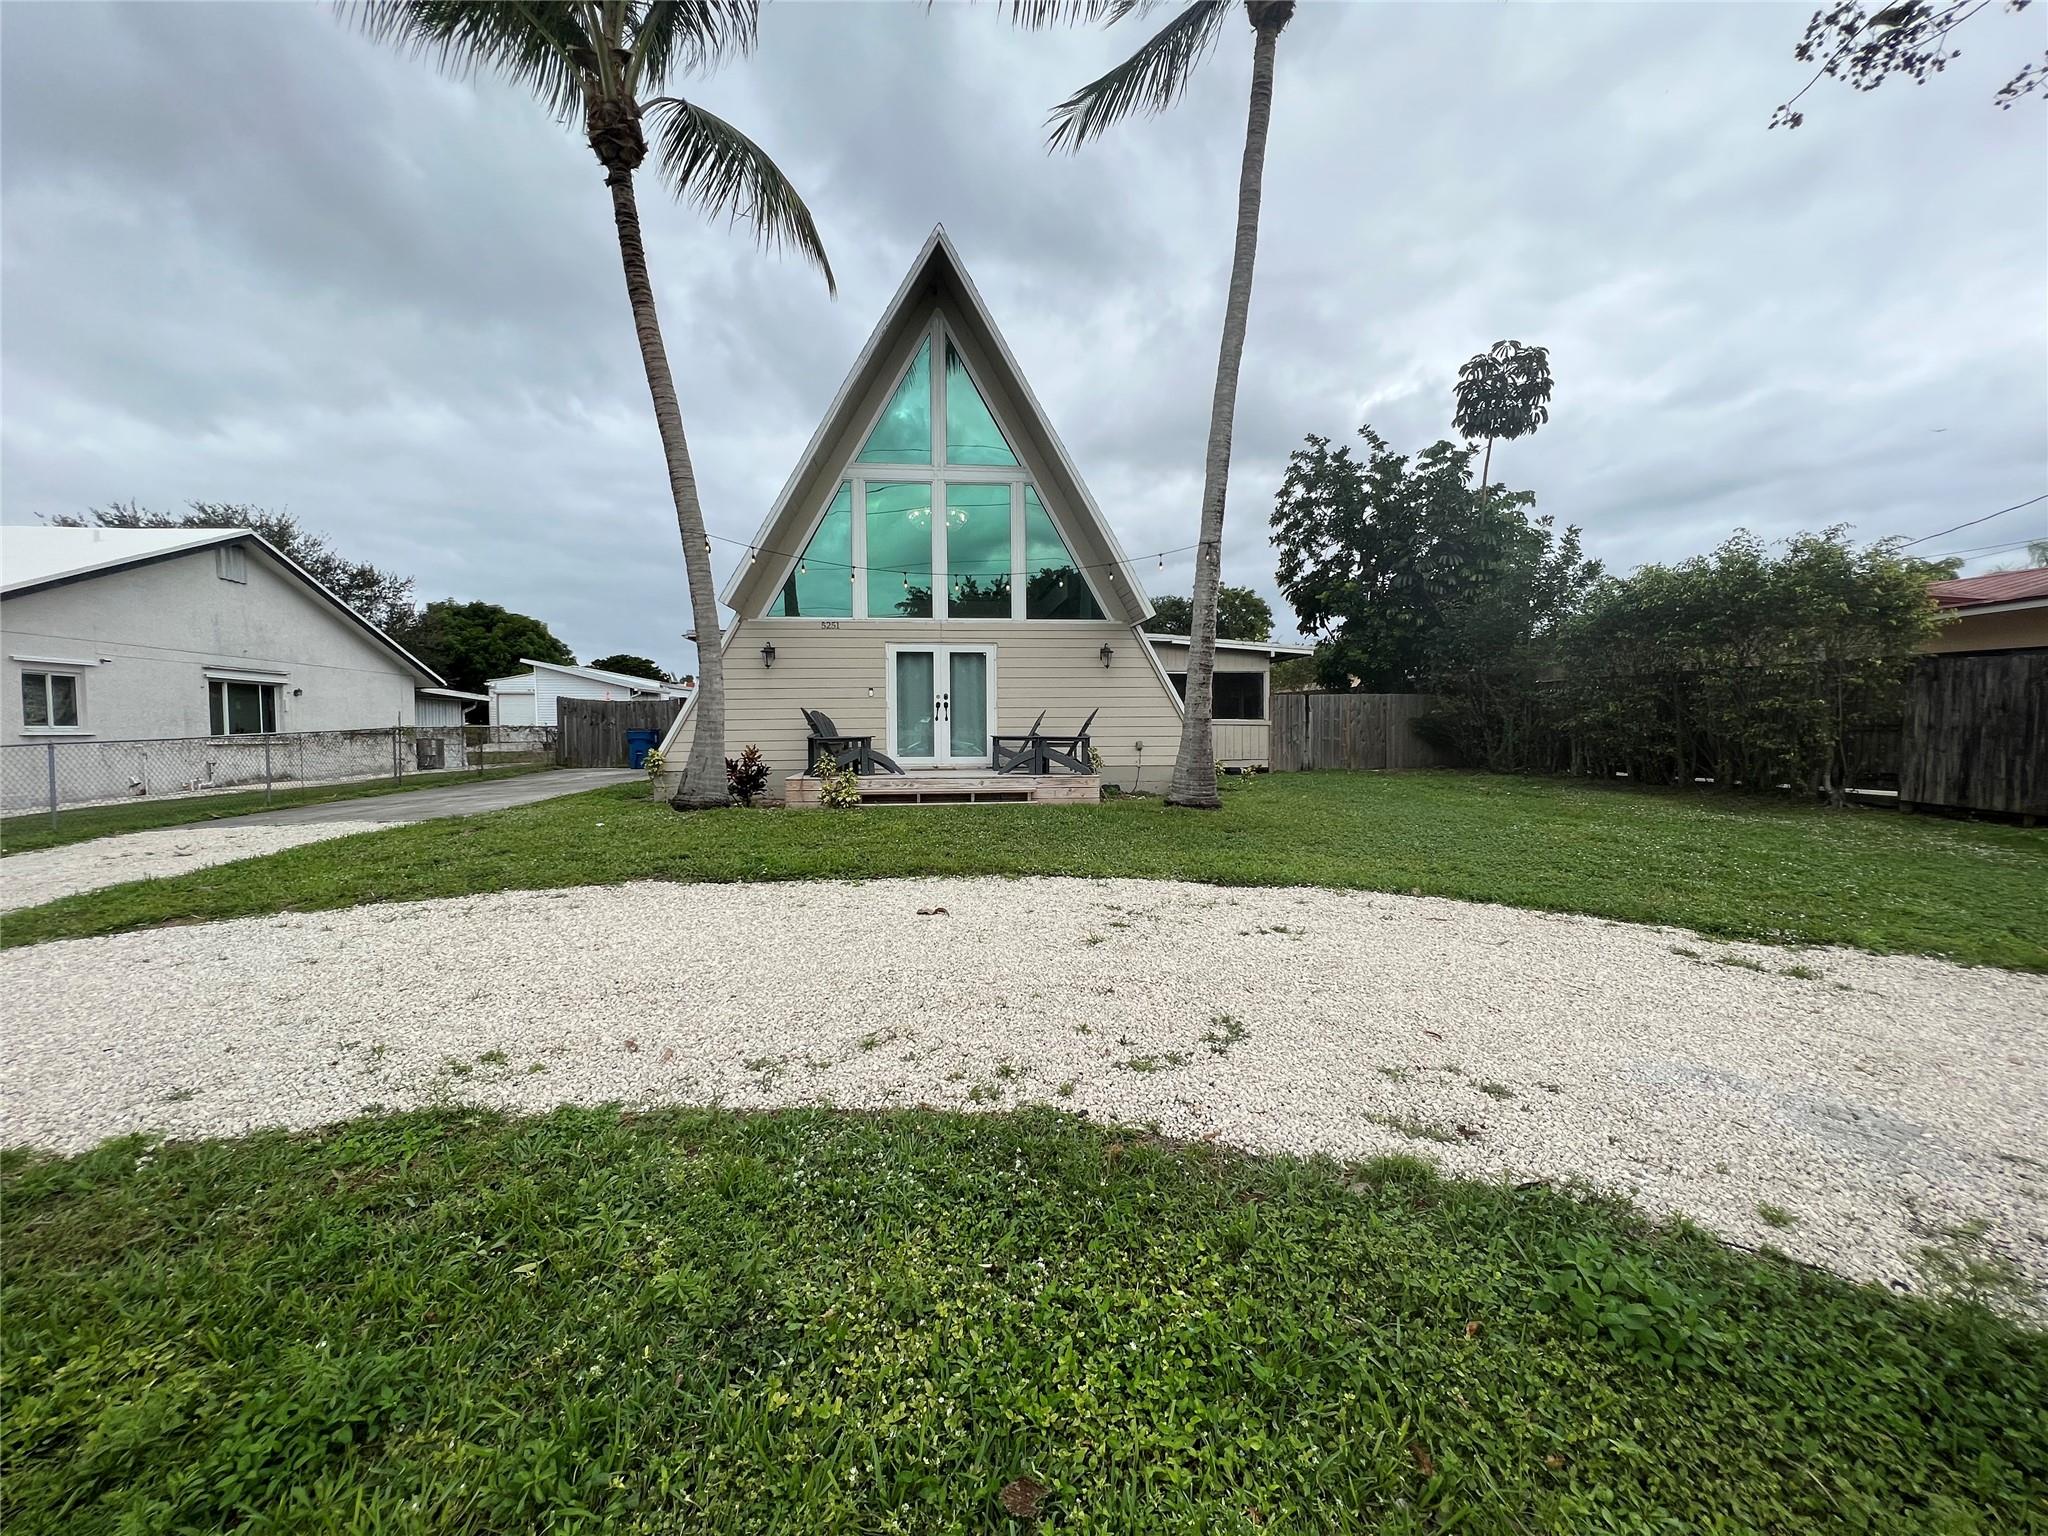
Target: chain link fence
59, 773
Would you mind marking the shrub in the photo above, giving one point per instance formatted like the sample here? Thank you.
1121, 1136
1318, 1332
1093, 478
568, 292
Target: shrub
838, 788
654, 762
746, 775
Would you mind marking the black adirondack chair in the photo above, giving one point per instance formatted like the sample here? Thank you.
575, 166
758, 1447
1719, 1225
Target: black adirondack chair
1016, 754
855, 752
1068, 752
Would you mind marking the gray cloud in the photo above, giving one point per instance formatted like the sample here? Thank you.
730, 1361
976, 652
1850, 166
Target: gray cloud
276, 263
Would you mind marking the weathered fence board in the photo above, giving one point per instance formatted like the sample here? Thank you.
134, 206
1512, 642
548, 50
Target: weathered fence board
592, 732
1355, 731
1976, 733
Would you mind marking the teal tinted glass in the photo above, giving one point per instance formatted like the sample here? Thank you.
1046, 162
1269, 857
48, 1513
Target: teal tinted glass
904, 434
820, 585
972, 436
899, 558
978, 551
916, 733
967, 703
1053, 585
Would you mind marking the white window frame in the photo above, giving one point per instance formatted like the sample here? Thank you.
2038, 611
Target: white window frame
218, 680
47, 670
934, 338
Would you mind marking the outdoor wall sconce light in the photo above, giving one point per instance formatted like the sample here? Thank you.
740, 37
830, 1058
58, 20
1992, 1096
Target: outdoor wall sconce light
1105, 653
768, 654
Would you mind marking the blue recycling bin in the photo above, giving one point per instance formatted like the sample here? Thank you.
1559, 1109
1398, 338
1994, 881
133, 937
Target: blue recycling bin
639, 744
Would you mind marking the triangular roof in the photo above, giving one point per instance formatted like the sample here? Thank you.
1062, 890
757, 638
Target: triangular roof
36, 557
937, 280
628, 680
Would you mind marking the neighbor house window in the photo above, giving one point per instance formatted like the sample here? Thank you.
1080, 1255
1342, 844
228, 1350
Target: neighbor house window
49, 699
939, 518
231, 563
243, 709
1237, 695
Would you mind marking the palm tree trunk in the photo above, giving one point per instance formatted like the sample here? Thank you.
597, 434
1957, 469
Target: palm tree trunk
1194, 770
703, 782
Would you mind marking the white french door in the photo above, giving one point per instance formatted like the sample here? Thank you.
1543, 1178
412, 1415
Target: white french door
942, 704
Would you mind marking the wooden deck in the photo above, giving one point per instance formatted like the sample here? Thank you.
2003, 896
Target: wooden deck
957, 786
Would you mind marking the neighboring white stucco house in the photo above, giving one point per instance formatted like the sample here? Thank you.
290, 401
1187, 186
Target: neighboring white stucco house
148, 634
528, 698
1243, 692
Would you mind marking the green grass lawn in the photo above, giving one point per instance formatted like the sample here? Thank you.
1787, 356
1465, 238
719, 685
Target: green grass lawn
23, 834
814, 1322
1735, 868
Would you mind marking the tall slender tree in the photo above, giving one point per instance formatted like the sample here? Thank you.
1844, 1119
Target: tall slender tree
603, 64
1502, 392
1152, 79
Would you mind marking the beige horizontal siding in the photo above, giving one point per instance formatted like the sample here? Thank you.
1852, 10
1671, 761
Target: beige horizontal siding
1240, 743
1055, 667
1175, 659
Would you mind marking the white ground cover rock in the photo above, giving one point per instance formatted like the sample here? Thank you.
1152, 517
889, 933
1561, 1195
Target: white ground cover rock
1882, 1104
30, 879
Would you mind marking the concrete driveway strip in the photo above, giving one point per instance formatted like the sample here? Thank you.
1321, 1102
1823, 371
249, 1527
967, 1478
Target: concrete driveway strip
30, 879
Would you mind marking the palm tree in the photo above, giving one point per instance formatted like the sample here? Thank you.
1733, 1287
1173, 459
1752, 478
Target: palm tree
1151, 80
1502, 392
602, 65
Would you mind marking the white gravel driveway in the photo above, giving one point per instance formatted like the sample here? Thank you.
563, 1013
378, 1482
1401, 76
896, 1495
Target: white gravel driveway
1878, 1103
30, 879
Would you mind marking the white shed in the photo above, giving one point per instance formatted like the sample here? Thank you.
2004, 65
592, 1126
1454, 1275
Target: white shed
528, 698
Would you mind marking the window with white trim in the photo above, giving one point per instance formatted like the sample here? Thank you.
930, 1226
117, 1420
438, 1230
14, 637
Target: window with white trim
49, 700
937, 518
1236, 695
242, 709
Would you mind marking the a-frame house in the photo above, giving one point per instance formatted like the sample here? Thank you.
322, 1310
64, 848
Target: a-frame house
935, 572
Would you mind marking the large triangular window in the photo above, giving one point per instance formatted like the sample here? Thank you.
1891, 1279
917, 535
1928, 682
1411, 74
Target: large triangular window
936, 517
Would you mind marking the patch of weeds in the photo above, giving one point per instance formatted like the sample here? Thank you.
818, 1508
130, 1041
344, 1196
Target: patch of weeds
1799, 972
1094, 939
1006, 1070
1775, 1215
1739, 962
957, 1075
1496, 1090
984, 1093
1393, 1074
1453, 1068
1686, 950
455, 1066
874, 1039
1398, 1169
1415, 1128
181, 1095
1720, 1167
1601, 1293
491, 1059
767, 1070
1161, 1061
1066, 1089
1551, 1087
1224, 1031
536, 1068
1961, 1266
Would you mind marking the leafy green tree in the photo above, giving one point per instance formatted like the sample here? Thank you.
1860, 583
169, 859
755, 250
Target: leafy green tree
1152, 79
383, 597
602, 67
469, 642
1293, 674
1241, 614
631, 666
1402, 565
1503, 392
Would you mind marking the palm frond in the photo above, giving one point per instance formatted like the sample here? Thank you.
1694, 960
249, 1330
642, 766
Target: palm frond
687, 35
1038, 15
1150, 80
708, 161
531, 42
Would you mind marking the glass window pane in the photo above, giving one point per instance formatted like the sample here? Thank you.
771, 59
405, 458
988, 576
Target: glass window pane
967, 703
245, 709
820, 585
216, 698
269, 708
35, 699
972, 436
1240, 696
63, 699
1053, 587
914, 704
904, 434
899, 559
978, 551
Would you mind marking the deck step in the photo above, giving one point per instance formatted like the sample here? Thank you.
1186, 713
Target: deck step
956, 787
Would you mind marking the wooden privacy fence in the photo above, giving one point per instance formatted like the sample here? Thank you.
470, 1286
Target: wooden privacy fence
1358, 731
592, 732
1976, 734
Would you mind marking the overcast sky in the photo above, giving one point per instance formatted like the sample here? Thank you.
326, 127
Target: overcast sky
249, 256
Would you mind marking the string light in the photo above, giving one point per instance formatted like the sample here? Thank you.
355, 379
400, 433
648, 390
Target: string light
803, 565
